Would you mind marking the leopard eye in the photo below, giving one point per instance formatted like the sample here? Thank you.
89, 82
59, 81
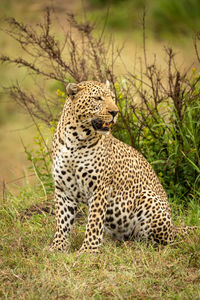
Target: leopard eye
114, 99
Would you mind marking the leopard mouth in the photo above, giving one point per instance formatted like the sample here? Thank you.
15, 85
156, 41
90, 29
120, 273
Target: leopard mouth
99, 125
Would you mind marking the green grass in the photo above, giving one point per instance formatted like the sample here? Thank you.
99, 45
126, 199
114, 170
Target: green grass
121, 270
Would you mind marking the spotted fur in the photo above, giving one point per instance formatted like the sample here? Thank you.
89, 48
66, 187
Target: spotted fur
124, 194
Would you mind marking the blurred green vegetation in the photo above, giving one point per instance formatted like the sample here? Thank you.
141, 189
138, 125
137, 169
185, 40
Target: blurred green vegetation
163, 17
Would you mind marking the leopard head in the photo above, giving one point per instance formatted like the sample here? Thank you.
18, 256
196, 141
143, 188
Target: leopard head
93, 104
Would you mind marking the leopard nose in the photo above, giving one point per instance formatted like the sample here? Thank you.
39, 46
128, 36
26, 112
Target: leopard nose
113, 113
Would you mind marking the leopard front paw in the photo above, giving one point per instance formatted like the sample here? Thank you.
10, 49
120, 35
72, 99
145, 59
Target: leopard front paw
58, 246
88, 249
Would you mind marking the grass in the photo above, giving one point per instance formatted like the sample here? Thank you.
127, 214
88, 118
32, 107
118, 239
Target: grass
130, 270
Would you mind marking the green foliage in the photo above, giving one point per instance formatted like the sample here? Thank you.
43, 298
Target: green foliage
172, 147
40, 157
170, 144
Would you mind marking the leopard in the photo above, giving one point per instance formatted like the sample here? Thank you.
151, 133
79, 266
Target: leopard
124, 195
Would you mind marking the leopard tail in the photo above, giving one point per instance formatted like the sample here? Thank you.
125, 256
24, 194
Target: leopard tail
181, 231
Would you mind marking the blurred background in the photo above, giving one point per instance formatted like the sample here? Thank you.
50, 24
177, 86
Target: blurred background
168, 23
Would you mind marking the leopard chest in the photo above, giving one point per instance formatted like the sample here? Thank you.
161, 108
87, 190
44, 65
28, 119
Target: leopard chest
78, 172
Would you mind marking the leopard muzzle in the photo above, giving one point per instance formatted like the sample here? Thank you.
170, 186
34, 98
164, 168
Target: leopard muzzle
100, 125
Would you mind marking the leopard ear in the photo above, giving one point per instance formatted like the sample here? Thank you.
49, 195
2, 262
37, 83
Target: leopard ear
72, 88
108, 84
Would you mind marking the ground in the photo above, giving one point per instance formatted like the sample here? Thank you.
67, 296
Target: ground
121, 271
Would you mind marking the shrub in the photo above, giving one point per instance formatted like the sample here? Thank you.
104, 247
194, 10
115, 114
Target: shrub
169, 141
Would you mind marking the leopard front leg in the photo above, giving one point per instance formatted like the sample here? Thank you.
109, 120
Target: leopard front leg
95, 224
66, 209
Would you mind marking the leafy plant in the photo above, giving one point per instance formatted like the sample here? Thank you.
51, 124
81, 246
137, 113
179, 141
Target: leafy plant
40, 158
166, 130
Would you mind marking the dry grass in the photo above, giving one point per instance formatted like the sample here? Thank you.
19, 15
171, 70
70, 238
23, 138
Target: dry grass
121, 271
